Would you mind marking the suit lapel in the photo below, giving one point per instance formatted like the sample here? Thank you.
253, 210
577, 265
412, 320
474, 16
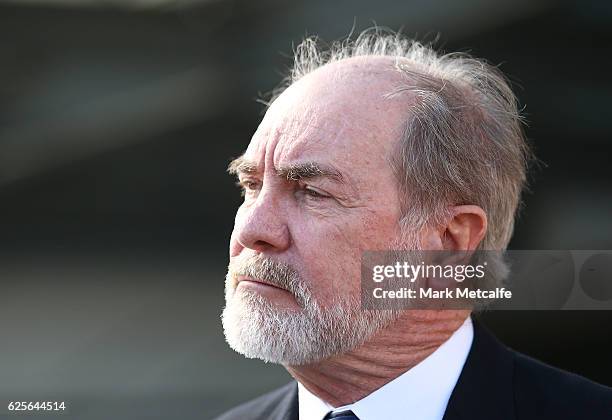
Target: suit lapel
484, 389
287, 408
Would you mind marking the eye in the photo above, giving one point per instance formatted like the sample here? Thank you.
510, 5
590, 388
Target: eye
248, 186
314, 193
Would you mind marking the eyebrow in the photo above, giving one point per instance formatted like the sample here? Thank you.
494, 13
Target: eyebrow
294, 172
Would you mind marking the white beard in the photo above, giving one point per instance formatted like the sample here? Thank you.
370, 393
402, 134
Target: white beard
257, 328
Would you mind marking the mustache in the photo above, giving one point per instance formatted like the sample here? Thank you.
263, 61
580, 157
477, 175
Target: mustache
277, 273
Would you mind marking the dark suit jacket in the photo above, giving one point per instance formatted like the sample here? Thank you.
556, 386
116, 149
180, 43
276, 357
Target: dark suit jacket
495, 383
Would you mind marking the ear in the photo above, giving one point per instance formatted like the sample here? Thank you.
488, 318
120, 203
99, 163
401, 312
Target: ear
465, 229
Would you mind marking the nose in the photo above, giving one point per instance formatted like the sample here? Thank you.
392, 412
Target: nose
261, 225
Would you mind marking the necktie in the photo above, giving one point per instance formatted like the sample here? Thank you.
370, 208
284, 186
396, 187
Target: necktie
343, 415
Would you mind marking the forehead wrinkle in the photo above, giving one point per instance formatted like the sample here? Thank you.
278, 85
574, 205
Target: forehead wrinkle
298, 122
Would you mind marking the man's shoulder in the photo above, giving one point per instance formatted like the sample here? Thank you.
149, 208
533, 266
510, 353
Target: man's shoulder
499, 382
544, 390
283, 399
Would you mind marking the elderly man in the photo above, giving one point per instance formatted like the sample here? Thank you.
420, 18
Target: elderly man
381, 144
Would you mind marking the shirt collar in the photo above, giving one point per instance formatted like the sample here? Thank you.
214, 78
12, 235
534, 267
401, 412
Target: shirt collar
422, 392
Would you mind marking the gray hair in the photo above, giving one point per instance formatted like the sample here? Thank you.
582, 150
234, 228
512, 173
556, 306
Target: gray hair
463, 141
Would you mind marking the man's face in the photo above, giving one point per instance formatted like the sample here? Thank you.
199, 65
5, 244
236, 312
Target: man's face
318, 191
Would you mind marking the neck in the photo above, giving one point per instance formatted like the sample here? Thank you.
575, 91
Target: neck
349, 377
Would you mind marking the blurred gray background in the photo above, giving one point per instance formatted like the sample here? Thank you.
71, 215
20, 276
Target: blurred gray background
118, 118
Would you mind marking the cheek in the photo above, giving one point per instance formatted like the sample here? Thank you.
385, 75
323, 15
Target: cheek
330, 253
377, 233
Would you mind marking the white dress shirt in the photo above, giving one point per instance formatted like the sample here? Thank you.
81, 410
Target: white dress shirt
421, 393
